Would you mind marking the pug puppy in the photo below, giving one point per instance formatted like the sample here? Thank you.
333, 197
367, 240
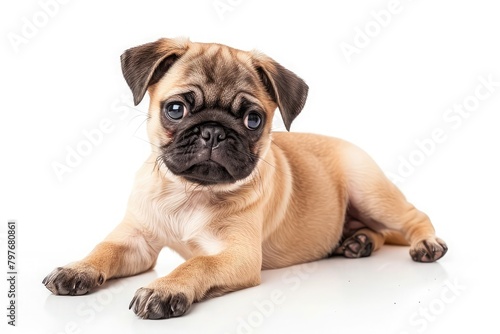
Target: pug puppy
229, 195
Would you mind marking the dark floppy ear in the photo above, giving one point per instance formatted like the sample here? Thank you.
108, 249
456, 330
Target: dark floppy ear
286, 89
145, 65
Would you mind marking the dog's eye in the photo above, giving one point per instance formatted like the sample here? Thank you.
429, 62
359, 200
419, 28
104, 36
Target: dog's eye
253, 121
175, 110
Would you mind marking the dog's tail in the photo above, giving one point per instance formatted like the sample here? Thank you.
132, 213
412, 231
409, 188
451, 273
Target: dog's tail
395, 238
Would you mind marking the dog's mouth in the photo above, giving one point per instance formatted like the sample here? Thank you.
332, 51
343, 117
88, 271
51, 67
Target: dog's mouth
207, 173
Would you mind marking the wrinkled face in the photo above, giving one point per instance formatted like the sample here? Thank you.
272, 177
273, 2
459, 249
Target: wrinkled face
210, 116
211, 106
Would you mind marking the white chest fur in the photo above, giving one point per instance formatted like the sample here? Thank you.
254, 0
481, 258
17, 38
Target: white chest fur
176, 218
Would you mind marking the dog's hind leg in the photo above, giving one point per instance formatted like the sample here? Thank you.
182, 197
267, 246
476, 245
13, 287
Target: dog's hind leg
376, 202
360, 244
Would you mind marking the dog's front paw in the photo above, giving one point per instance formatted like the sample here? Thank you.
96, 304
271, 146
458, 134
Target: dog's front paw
428, 250
73, 280
159, 303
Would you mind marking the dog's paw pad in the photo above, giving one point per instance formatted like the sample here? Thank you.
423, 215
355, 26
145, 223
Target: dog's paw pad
357, 246
151, 304
73, 281
428, 250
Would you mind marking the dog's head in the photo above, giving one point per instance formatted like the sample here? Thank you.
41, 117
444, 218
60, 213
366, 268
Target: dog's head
211, 106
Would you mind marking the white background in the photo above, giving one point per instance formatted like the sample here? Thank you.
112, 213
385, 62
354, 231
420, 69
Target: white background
66, 79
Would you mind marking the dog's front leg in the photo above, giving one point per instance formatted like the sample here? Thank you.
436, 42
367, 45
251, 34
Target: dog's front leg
238, 266
127, 251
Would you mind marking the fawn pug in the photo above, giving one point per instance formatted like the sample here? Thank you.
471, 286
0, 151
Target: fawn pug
229, 195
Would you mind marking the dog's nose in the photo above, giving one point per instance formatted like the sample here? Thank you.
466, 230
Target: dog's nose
213, 134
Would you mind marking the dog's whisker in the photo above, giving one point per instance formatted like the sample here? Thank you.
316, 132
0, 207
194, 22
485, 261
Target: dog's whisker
139, 110
266, 162
147, 141
256, 183
158, 162
140, 125
146, 116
